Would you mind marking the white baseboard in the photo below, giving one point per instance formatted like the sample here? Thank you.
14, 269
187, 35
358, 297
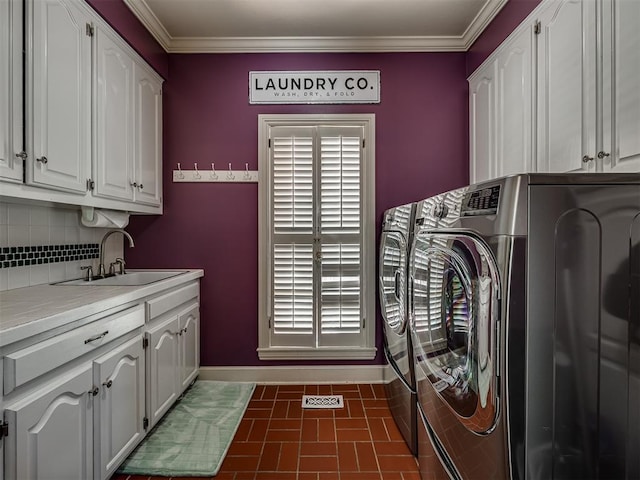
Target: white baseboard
300, 375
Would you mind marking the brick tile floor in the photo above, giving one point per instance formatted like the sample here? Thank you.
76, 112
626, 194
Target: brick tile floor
279, 440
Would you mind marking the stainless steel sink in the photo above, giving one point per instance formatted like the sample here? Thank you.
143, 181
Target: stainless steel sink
127, 279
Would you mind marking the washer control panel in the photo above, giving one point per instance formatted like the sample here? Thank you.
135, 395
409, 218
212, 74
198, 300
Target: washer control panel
484, 201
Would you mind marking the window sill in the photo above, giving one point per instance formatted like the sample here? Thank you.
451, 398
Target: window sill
328, 353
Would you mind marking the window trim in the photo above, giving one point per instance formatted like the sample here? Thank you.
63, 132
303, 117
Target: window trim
368, 349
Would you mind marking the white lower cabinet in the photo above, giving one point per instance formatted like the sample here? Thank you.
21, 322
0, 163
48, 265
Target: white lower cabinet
76, 404
51, 430
162, 373
189, 344
173, 353
120, 409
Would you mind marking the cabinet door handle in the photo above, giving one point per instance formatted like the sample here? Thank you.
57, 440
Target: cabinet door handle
94, 391
42, 159
96, 337
140, 186
22, 155
602, 155
108, 384
586, 159
134, 185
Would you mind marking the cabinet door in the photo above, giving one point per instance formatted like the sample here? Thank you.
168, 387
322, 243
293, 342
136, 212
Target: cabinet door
566, 87
113, 119
51, 430
162, 368
10, 90
189, 345
148, 137
514, 118
621, 85
59, 94
482, 109
121, 405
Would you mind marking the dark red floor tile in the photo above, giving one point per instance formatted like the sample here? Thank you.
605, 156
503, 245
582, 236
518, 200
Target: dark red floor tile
366, 457
347, 458
396, 463
269, 457
318, 464
289, 455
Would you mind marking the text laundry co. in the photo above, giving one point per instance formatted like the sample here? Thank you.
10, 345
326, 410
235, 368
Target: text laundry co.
315, 87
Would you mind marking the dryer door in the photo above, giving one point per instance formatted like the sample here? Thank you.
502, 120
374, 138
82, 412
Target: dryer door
393, 278
455, 310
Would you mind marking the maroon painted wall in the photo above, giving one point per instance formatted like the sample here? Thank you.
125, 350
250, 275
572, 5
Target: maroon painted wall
501, 26
421, 150
118, 15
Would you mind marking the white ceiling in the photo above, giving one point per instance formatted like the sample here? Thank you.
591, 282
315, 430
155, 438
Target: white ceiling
218, 26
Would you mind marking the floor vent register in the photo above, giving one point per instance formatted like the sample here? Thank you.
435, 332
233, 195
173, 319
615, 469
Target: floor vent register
322, 401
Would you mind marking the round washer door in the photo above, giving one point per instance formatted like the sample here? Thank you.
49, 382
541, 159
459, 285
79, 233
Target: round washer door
454, 319
393, 276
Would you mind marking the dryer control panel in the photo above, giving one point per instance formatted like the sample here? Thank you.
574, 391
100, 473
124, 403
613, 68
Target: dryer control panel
481, 202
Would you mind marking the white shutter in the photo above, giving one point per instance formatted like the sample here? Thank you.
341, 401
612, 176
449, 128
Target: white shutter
293, 182
340, 183
293, 289
292, 223
316, 236
340, 230
340, 302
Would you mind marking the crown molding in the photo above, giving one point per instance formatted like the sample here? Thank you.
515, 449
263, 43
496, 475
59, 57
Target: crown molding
141, 10
314, 44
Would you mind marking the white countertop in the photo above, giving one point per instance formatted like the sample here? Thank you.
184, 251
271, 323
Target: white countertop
28, 311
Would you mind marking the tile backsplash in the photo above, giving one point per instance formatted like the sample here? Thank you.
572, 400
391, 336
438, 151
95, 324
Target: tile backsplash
42, 244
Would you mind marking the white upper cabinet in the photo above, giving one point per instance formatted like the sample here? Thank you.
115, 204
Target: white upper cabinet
566, 99
620, 86
113, 119
58, 116
566, 87
515, 99
482, 113
500, 107
11, 90
128, 124
92, 110
148, 143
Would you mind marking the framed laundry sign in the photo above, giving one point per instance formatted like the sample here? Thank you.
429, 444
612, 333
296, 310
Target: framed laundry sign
334, 86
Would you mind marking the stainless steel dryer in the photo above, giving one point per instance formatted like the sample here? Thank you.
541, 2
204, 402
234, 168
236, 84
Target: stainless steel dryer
397, 228
525, 320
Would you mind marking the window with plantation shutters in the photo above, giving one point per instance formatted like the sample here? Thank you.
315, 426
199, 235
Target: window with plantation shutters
316, 241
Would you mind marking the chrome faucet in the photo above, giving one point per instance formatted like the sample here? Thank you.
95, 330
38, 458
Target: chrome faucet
101, 271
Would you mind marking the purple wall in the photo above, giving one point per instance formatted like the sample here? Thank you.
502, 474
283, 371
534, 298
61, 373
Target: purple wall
421, 150
502, 25
118, 15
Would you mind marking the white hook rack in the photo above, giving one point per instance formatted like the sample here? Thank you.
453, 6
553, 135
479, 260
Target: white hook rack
213, 175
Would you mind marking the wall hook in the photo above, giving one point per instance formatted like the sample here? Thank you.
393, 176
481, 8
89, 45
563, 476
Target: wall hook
230, 174
180, 174
213, 175
197, 174
247, 175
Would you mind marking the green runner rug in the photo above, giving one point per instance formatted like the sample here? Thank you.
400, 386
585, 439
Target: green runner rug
193, 438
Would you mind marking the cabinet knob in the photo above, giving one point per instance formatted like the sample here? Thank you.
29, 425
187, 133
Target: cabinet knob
42, 159
94, 391
134, 185
108, 384
22, 155
586, 159
602, 155
140, 186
